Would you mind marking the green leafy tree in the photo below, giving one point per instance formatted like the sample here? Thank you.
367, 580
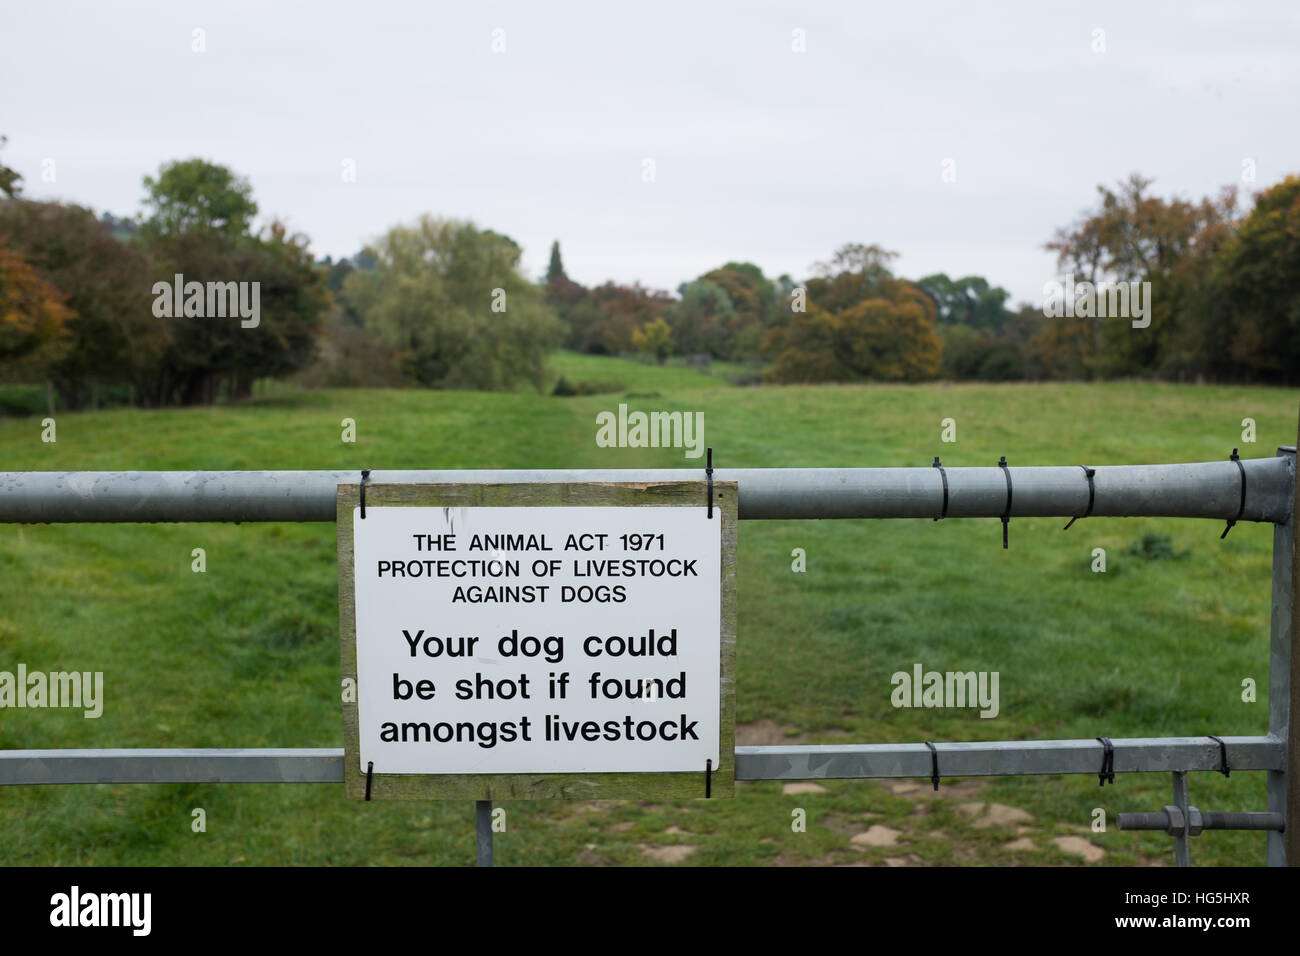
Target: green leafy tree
563, 294
450, 300
555, 269
968, 301
753, 299
1255, 293
701, 318
195, 195
655, 338
198, 226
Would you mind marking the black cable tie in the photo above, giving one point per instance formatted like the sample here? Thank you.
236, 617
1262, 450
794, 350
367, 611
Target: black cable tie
1107, 773
1006, 515
934, 765
365, 476
708, 472
370, 772
708, 778
1223, 755
1092, 495
1241, 508
943, 476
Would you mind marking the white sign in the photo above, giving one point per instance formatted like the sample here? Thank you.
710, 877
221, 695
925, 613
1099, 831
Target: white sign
538, 639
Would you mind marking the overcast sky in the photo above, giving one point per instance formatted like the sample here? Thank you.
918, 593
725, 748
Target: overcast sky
760, 153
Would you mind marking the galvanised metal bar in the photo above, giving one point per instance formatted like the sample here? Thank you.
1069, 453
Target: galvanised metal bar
179, 765
1003, 758
843, 761
1183, 838
1283, 684
1202, 490
483, 831
1240, 820
1201, 820
1291, 693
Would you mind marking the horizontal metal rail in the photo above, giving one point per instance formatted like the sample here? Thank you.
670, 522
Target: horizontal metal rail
1200, 490
1171, 820
839, 761
1001, 758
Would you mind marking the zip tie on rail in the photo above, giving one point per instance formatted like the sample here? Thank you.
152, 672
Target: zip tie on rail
1006, 515
1223, 755
1107, 773
1241, 508
365, 476
370, 771
943, 476
1092, 495
708, 473
934, 765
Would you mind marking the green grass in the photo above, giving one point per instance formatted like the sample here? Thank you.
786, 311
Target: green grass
246, 654
642, 377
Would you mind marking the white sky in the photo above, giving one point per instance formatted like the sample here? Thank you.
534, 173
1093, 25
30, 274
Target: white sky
761, 154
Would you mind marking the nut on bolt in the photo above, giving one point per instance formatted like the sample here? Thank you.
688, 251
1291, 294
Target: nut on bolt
1178, 823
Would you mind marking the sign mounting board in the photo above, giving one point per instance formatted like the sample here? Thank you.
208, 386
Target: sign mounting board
534, 641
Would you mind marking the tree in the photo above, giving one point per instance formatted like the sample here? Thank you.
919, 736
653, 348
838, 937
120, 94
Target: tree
700, 319
33, 317
121, 228
112, 333
655, 338
562, 293
1132, 236
968, 301
862, 324
196, 195
854, 273
891, 340
9, 178
450, 299
210, 355
1255, 290
293, 301
555, 270
198, 228
806, 349
605, 318
753, 299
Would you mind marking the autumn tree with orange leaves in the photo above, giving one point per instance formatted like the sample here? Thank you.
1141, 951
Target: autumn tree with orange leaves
33, 318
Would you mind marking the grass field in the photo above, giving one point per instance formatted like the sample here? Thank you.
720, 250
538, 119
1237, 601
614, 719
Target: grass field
246, 654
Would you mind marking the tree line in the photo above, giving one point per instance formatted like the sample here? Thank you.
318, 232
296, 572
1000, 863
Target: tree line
1223, 296
86, 303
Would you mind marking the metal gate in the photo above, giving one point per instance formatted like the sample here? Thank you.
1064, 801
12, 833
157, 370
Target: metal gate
1258, 489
